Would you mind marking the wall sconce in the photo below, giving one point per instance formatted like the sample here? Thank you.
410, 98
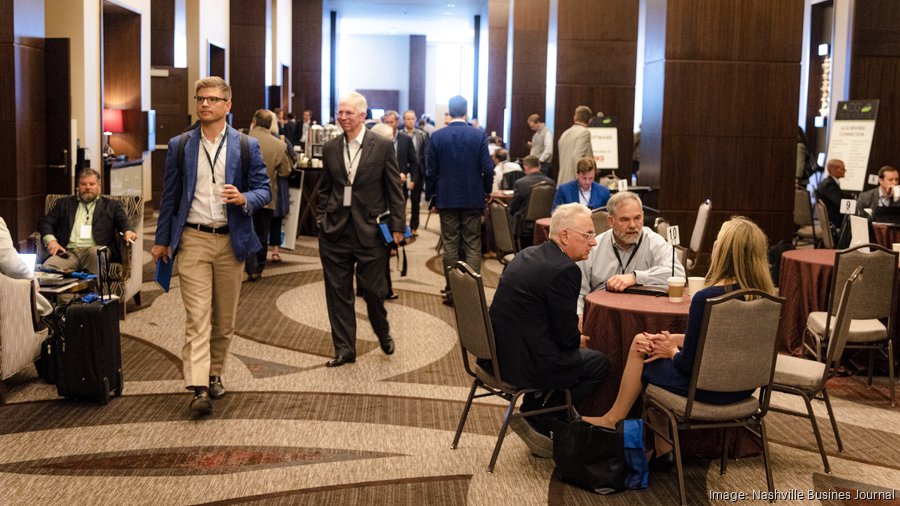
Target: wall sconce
112, 124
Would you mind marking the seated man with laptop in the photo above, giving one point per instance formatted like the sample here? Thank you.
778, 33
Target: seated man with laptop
78, 224
627, 254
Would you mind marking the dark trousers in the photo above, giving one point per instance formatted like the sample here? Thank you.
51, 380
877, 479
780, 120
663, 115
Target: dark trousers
275, 231
461, 228
262, 220
415, 199
339, 260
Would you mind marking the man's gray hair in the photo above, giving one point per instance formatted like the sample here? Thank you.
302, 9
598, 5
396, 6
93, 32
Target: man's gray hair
356, 100
390, 113
383, 130
620, 197
565, 216
88, 172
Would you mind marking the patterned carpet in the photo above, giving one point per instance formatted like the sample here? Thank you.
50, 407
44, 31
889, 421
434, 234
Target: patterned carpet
291, 431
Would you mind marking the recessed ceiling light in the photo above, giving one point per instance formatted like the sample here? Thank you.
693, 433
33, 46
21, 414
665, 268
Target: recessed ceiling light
446, 13
451, 5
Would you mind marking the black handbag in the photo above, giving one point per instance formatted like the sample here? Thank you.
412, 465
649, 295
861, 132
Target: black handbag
598, 459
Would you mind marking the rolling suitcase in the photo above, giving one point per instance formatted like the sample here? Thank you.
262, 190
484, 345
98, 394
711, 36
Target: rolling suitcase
89, 354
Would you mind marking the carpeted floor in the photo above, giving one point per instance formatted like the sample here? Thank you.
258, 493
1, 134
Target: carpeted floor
291, 431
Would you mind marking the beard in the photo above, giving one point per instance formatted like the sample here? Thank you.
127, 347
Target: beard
87, 197
628, 238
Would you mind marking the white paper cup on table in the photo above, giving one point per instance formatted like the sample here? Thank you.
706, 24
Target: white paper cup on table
676, 289
895, 246
695, 284
896, 192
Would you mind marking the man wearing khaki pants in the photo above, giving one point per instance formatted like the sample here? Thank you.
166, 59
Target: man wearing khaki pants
215, 179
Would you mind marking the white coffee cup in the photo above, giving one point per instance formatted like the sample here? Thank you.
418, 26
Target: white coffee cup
896, 190
676, 289
895, 246
695, 284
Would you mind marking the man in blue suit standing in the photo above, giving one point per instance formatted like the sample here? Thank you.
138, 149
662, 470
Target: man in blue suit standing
459, 174
215, 179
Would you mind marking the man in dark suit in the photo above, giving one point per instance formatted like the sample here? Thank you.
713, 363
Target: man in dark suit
205, 220
539, 344
76, 225
829, 192
518, 206
458, 176
420, 140
407, 159
360, 181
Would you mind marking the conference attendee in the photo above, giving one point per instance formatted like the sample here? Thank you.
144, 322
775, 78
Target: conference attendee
387, 132
359, 182
541, 143
584, 189
628, 253
506, 173
882, 195
539, 344
459, 175
667, 360
304, 128
518, 206
574, 145
420, 140
206, 224
407, 158
292, 129
277, 165
829, 192
12, 266
78, 224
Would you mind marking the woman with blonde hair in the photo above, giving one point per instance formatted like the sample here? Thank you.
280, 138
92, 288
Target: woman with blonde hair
667, 360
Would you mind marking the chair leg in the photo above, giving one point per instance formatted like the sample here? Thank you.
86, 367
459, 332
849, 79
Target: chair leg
815, 428
765, 441
465, 415
679, 465
137, 298
503, 428
890, 360
723, 464
871, 367
834, 425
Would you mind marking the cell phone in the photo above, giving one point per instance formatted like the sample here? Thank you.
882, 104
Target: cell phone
62, 254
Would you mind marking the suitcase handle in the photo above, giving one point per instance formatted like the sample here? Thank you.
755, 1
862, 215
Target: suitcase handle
103, 272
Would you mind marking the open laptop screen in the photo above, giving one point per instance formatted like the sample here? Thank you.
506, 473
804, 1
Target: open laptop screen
29, 259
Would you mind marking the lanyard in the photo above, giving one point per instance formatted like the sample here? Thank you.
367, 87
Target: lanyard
87, 211
212, 163
630, 257
351, 159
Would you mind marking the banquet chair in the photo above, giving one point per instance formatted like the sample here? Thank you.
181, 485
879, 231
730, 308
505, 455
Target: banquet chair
824, 225
598, 216
867, 325
476, 339
540, 201
807, 378
699, 232
503, 236
735, 352
805, 232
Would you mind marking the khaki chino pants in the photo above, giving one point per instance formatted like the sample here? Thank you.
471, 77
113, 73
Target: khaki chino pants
210, 278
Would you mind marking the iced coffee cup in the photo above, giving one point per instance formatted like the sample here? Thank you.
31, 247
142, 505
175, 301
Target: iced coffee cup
676, 289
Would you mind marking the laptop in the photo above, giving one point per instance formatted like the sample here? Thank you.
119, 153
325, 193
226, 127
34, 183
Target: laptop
889, 215
29, 259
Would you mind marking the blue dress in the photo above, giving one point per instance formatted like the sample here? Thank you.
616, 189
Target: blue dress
675, 375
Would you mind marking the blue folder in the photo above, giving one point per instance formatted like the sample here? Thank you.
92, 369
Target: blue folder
164, 273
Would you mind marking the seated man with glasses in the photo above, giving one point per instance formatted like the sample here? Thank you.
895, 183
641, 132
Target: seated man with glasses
628, 253
536, 327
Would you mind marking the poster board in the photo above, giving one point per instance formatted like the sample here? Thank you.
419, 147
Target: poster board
290, 222
605, 142
850, 140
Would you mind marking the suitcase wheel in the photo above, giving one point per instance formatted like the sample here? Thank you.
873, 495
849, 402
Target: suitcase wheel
106, 396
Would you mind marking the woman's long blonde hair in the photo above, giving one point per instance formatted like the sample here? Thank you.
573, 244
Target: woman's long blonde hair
740, 255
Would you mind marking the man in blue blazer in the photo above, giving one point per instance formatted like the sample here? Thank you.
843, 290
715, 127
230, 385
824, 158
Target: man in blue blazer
205, 219
459, 174
583, 189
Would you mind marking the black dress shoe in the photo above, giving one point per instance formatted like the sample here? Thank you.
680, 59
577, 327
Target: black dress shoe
447, 302
201, 404
216, 388
387, 345
340, 360
392, 296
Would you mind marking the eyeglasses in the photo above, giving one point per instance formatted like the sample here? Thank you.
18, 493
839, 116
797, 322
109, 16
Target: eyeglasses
210, 100
587, 235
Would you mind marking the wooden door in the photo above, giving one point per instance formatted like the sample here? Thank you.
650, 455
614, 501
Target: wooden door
57, 117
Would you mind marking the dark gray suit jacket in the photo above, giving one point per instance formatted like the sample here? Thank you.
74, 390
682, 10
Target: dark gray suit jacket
869, 199
376, 189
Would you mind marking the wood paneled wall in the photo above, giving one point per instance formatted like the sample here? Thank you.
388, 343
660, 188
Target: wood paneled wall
306, 58
875, 74
22, 116
247, 48
596, 53
529, 24
721, 92
498, 37
162, 33
418, 57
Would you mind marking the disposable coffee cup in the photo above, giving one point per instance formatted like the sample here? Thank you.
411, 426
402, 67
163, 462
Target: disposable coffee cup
896, 191
895, 246
695, 284
676, 289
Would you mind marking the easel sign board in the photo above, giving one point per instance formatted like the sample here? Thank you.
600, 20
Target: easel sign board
605, 145
850, 140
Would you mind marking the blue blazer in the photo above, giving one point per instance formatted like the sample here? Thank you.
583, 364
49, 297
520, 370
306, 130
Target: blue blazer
179, 185
459, 169
567, 193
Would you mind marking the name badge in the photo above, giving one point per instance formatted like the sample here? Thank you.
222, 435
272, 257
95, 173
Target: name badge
85, 232
218, 212
348, 195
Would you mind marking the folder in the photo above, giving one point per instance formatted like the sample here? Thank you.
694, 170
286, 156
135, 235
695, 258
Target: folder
164, 273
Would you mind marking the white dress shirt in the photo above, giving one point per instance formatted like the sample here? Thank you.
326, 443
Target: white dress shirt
208, 192
352, 154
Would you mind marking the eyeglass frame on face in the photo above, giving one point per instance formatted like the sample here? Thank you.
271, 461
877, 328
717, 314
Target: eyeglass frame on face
211, 100
587, 235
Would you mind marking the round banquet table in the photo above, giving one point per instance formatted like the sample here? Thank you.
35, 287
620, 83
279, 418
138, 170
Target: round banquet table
805, 284
541, 230
612, 320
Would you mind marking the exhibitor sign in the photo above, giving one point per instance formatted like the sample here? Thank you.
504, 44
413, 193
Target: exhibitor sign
850, 140
605, 143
